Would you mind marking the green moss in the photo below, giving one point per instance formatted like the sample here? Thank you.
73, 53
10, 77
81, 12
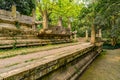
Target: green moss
11, 65
7, 56
6, 53
17, 24
30, 60
15, 43
103, 53
87, 41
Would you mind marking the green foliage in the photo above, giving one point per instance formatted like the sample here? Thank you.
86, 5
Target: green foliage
109, 46
15, 43
58, 8
104, 14
23, 6
111, 16
17, 24
39, 27
66, 9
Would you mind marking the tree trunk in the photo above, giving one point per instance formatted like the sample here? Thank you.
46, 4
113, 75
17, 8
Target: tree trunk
114, 38
45, 20
34, 18
69, 23
100, 33
113, 41
93, 34
86, 35
60, 21
69, 26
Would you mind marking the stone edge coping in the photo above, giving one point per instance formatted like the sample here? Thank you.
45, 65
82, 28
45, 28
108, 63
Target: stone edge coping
31, 66
54, 47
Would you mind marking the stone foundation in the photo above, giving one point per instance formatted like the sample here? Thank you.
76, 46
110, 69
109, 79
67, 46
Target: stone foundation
64, 67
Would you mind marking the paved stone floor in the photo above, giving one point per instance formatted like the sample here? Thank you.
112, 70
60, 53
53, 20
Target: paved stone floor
104, 67
18, 61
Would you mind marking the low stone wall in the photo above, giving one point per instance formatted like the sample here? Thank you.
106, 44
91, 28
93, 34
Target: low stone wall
78, 60
56, 30
7, 17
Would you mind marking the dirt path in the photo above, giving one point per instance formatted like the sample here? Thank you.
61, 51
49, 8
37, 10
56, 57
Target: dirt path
105, 67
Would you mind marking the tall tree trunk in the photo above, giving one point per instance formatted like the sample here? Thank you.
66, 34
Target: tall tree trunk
45, 20
86, 35
69, 26
69, 23
60, 21
34, 18
113, 38
113, 41
93, 36
100, 33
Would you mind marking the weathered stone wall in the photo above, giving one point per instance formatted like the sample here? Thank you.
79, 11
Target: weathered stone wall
7, 17
56, 30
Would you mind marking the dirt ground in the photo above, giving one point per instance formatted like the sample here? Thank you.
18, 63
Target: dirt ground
105, 67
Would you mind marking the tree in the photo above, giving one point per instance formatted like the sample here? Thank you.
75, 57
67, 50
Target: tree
23, 6
89, 14
103, 14
62, 10
111, 13
45, 8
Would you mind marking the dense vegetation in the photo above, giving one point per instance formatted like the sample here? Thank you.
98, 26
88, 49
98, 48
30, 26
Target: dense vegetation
80, 15
23, 6
104, 14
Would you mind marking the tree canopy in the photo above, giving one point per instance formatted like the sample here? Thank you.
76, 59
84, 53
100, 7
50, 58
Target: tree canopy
56, 9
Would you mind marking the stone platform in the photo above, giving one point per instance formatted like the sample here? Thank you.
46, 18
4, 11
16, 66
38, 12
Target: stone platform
36, 65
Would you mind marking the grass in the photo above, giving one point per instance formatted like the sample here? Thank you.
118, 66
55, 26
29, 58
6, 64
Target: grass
30, 60
11, 65
103, 53
6, 53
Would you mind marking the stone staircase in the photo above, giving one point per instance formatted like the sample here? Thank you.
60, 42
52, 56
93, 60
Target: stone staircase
12, 38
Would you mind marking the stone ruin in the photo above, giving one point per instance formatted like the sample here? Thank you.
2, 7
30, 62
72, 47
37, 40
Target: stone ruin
17, 30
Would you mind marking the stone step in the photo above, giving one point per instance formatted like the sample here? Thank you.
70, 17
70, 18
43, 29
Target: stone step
6, 42
39, 64
15, 34
21, 45
19, 37
2, 35
8, 31
19, 41
29, 42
